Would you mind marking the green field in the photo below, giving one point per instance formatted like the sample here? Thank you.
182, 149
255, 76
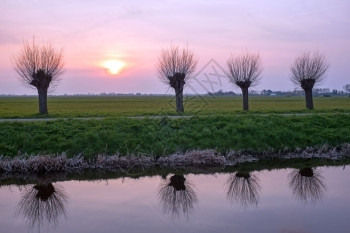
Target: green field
114, 106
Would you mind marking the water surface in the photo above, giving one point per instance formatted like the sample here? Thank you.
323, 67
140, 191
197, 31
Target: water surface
283, 200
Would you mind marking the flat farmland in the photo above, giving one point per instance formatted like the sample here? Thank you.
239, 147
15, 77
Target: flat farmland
118, 106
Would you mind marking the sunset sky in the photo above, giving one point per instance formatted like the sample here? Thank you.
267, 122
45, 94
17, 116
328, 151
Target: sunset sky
128, 36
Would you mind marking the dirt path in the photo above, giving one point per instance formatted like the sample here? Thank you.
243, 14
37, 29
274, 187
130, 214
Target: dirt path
49, 119
158, 117
84, 118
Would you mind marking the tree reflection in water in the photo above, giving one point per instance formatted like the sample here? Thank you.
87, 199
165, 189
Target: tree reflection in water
42, 203
307, 184
177, 196
243, 188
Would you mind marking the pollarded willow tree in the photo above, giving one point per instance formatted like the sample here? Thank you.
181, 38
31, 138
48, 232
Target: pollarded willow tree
244, 71
308, 70
174, 68
39, 66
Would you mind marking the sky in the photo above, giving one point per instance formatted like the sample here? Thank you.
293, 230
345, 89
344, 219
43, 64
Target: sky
134, 33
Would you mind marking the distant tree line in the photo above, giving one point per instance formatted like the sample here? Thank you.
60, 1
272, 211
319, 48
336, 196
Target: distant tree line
325, 92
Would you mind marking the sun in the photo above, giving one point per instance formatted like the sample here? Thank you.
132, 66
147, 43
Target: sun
114, 66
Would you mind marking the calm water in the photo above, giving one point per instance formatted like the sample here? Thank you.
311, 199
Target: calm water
285, 201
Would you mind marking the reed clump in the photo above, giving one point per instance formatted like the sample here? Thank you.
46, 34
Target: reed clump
40, 164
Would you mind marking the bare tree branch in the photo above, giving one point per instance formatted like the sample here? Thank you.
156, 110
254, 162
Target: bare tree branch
244, 70
347, 88
35, 58
173, 61
309, 67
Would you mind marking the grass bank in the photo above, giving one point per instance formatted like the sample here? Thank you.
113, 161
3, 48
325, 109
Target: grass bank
253, 134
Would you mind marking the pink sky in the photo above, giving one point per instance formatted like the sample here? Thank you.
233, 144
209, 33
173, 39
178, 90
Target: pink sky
135, 32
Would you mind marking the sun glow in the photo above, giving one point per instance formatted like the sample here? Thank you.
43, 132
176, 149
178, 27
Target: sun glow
114, 66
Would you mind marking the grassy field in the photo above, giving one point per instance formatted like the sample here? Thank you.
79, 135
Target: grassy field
158, 137
27, 107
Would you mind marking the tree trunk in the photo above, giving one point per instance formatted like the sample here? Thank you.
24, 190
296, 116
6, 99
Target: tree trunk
245, 98
308, 99
42, 101
178, 82
179, 100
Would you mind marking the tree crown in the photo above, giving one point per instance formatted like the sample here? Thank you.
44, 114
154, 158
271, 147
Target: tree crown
38, 65
174, 63
309, 69
244, 70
